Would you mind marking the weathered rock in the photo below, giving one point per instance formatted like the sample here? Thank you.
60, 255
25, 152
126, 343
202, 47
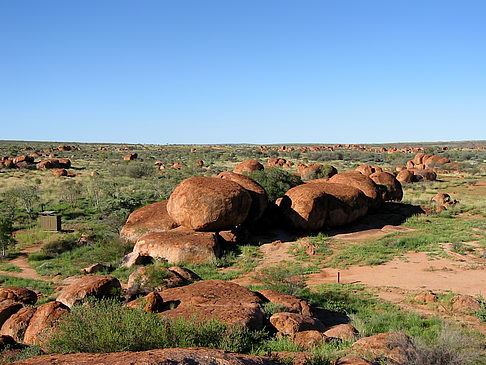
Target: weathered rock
18, 294
48, 164
365, 169
151, 303
187, 274
257, 192
465, 304
441, 198
173, 356
208, 203
89, 286
405, 176
7, 309
427, 174
225, 301
248, 166
179, 245
64, 163
16, 325
359, 181
426, 297
353, 360
288, 302
308, 339
130, 157
150, 218
23, 158
134, 258
276, 161
60, 172
305, 207
345, 332
390, 345
149, 278
291, 323
96, 268
44, 320
393, 187
345, 203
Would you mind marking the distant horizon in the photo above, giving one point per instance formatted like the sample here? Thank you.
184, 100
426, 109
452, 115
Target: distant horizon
250, 144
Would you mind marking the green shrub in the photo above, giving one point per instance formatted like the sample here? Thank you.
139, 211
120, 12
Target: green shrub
107, 326
57, 244
285, 278
275, 181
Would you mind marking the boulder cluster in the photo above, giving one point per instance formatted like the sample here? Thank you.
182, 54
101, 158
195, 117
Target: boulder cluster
205, 212
58, 165
424, 167
198, 301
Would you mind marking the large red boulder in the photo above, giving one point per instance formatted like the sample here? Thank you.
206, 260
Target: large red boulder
248, 166
44, 320
305, 207
393, 187
89, 286
359, 181
209, 204
345, 203
258, 194
215, 299
179, 245
173, 356
150, 218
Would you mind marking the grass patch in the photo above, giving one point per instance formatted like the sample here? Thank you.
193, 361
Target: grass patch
5, 266
46, 288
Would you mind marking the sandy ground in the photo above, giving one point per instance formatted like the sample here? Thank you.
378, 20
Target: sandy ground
415, 271
21, 261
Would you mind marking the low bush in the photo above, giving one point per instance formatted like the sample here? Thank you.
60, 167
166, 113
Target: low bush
107, 326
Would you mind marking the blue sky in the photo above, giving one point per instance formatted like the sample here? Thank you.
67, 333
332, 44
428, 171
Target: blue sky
252, 71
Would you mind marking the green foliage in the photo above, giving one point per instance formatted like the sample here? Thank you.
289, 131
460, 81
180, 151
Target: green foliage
4, 266
46, 288
58, 243
275, 181
285, 278
27, 196
6, 229
107, 326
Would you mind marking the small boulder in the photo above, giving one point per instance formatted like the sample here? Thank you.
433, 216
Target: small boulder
179, 245
393, 187
345, 332
134, 258
287, 302
308, 339
149, 278
96, 268
44, 320
426, 297
151, 303
16, 325
18, 294
248, 166
291, 323
465, 304
187, 274
441, 198
60, 172
405, 176
89, 286
392, 345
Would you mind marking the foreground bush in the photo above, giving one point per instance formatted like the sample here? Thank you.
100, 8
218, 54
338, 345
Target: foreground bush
107, 326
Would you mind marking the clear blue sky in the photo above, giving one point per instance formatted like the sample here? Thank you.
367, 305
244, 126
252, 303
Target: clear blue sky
256, 71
